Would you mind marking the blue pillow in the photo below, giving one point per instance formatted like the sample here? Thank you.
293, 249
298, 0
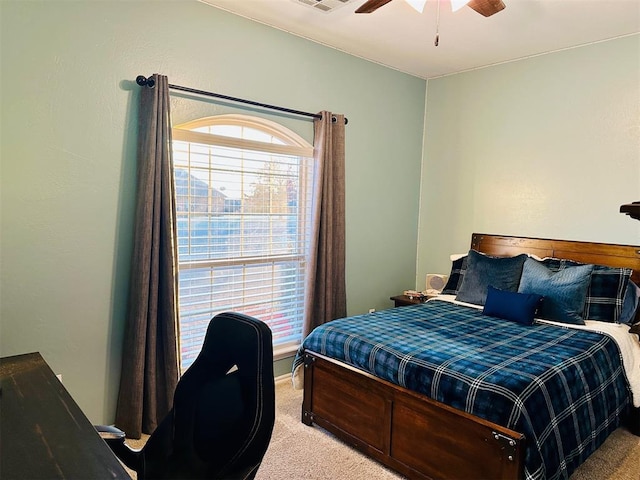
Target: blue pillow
564, 291
517, 307
484, 270
630, 304
606, 292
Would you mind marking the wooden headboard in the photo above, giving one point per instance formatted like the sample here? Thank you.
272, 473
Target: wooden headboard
586, 252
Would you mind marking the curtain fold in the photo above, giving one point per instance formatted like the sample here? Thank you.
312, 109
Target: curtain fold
326, 297
150, 368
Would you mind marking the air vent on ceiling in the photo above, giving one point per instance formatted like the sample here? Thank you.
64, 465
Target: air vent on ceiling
325, 6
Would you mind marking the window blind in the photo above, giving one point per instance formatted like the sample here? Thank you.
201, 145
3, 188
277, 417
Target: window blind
244, 218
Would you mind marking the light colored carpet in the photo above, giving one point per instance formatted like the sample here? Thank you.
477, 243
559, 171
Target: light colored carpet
298, 452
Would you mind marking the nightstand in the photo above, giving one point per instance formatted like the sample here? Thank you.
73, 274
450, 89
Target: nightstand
403, 300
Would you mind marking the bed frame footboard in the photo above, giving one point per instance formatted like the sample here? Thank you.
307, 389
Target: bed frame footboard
408, 432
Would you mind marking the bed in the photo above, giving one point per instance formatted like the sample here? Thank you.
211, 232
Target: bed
500, 420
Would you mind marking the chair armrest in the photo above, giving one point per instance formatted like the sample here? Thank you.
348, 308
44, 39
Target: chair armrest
109, 433
115, 439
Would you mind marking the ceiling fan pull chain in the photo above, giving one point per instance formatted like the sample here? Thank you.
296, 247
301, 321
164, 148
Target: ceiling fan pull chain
437, 40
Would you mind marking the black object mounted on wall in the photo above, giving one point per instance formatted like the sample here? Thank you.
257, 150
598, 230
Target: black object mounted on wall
631, 209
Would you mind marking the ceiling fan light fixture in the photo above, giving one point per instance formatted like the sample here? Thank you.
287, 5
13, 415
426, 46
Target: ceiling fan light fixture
458, 4
418, 5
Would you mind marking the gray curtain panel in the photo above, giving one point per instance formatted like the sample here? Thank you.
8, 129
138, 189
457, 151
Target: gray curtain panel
150, 369
326, 297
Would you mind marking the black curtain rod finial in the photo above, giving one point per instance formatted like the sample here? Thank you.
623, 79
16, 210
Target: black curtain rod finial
144, 81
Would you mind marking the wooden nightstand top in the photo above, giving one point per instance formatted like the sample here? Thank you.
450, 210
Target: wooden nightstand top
403, 300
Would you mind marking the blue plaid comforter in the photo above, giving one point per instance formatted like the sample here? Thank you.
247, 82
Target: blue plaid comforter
564, 389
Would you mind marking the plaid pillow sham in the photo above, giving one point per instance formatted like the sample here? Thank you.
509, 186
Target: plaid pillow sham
458, 269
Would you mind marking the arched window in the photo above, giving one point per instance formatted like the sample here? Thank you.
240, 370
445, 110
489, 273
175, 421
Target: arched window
243, 197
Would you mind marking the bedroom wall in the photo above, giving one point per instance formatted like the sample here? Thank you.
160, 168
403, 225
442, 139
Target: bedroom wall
544, 147
68, 137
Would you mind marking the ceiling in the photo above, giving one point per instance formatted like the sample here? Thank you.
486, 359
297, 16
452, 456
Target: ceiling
399, 37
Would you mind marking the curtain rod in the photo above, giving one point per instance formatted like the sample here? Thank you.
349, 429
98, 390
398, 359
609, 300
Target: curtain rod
149, 82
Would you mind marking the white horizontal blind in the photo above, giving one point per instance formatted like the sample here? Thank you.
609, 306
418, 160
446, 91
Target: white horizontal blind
243, 231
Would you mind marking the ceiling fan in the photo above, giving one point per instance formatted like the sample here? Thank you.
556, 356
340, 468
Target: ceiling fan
483, 7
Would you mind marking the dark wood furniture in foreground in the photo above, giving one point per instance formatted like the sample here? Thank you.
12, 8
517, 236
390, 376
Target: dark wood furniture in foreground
417, 436
44, 433
631, 209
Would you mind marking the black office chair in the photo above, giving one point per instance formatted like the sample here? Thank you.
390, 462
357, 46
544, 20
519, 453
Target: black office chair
223, 409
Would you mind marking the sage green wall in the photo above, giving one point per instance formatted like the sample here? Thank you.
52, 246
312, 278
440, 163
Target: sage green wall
543, 147
68, 161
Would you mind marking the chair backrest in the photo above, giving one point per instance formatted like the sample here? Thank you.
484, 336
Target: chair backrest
224, 406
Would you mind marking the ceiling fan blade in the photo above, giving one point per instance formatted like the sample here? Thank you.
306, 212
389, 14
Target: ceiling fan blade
371, 6
487, 7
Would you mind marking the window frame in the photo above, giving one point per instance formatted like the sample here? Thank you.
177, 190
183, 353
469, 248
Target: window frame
294, 145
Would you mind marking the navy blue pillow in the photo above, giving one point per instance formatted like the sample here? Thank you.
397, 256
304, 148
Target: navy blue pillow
564, 291
631, 303
514, 306
484, 270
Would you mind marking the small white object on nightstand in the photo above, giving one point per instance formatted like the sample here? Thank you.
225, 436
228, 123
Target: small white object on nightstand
435, 283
